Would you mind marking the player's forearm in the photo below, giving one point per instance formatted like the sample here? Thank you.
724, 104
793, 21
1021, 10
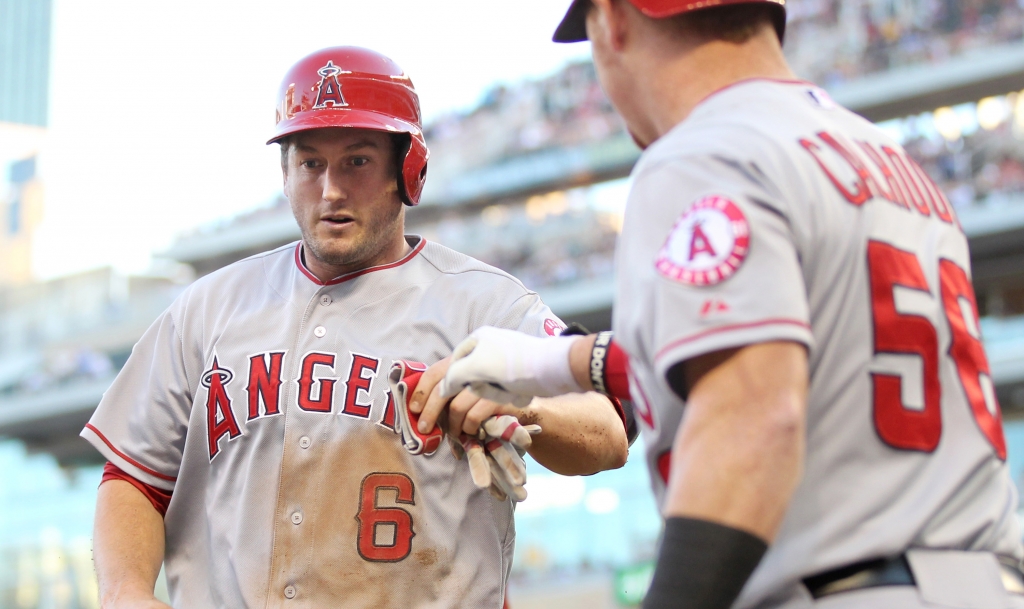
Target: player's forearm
582, 434
738, 456
128, 546
579, 360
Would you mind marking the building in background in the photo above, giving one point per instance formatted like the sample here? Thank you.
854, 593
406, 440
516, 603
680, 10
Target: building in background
21, 211
25, 27
25, 61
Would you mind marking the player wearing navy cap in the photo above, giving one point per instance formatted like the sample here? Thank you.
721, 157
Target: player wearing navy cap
794, 299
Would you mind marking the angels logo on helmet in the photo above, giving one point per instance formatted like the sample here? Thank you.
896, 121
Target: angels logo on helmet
329, 89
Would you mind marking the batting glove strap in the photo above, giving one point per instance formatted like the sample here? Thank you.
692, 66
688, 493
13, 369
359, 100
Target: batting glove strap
402, 379
702, 565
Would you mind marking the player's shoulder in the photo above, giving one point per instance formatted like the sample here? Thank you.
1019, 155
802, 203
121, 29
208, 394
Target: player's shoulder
243, 273
455, 264
753, 132
455, 267
757, 117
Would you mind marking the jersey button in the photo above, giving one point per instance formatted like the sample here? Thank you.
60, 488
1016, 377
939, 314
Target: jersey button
297, 518
289, 591
304, 442
319, 331
325, 299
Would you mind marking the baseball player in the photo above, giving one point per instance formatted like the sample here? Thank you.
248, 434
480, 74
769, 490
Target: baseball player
252, 436
795, 306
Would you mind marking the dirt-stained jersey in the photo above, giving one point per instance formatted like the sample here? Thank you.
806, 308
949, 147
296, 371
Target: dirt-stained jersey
772, 214
260, 398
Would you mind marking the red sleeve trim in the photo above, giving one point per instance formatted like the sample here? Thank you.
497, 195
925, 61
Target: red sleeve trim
159, 498
126, 457
616, 377
617, 405
756, 324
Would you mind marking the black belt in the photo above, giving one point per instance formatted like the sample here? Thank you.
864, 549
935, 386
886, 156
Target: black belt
891, 572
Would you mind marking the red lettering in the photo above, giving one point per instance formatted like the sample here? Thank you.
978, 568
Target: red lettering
699, 243
860, 194
397, 519
968, 353
938, 200
896, 193
264, 383
855, 161
665, 465
325, 398
388, 420
918, 199
218, 406
905, 334
357, 382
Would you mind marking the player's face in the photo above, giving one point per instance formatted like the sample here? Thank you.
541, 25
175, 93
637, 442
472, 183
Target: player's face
343, 189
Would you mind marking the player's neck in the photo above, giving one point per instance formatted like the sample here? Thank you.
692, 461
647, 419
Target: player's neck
684, 80
393, 251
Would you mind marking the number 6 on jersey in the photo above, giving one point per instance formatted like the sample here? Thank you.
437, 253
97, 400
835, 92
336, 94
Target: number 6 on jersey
385, 533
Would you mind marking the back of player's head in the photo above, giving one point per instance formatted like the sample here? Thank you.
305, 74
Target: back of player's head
733, 21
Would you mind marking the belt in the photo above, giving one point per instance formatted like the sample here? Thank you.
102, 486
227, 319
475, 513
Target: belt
891, 572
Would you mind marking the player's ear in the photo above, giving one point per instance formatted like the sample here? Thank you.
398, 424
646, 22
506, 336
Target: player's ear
608, 21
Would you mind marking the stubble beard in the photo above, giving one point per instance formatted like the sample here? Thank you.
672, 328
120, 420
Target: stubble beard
361, 252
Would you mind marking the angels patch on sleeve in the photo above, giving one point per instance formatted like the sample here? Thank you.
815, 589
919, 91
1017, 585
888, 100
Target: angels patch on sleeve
707, 244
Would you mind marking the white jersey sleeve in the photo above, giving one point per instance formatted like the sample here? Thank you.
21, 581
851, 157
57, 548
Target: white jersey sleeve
155, 398
727, 272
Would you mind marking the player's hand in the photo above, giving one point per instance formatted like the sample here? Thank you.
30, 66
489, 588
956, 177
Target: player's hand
483, 431
403, 379
466, 412
510, 367
495, 457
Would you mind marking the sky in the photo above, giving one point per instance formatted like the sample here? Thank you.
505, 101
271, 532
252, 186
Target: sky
159, 111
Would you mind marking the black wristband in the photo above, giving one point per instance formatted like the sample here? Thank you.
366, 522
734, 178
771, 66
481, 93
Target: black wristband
598, 359
702, 565
575, 329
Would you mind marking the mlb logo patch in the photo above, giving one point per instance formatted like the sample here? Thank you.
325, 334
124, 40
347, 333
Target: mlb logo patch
708, 243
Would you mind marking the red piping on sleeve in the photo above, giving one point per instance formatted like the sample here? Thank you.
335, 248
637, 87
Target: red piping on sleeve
159, 498
767, 322
616, 379
126, 457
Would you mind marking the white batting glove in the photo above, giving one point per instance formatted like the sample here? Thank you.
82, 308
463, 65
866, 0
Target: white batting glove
510, 367
495, 462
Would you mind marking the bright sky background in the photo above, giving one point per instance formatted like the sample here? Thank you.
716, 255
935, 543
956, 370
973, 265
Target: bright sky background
159, 111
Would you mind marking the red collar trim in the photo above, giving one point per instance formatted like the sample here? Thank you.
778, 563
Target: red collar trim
781, 81
343, 278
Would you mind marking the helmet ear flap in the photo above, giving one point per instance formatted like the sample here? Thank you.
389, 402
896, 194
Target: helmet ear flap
413, 170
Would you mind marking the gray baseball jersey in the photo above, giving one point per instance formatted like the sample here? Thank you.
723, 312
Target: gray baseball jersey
772, 214
260, 398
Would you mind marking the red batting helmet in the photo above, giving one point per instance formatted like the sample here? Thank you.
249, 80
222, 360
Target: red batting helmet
573, 27
359, 88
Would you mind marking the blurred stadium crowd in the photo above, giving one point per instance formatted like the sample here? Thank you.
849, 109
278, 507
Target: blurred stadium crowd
827, 41
974, 151
832, 41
